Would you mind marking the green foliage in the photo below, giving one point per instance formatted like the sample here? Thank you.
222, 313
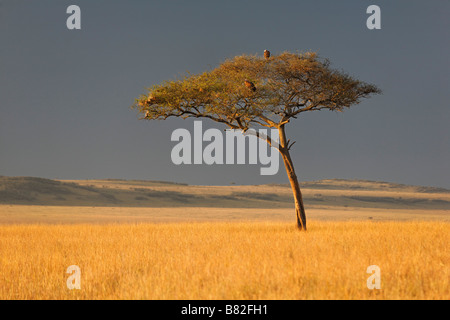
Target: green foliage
286, 85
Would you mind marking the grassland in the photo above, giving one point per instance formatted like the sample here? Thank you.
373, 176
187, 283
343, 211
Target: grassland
217, 260
158, 240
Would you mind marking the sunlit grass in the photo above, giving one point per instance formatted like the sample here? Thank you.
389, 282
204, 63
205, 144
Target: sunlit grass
226, 260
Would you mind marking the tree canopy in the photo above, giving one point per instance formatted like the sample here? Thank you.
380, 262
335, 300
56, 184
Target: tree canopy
249, 90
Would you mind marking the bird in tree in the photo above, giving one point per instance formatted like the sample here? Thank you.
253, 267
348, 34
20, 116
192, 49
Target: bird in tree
250, 85
288, 84
266, 54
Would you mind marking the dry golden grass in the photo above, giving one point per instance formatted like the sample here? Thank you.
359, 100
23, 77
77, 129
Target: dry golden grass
218, 260
20, 214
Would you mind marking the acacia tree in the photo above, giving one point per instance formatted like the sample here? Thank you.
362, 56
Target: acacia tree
249, 91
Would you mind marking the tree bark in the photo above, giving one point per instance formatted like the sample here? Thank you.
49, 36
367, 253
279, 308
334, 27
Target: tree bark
299, 208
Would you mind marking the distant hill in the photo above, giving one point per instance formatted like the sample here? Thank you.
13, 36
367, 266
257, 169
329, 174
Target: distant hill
142, 193
343, 184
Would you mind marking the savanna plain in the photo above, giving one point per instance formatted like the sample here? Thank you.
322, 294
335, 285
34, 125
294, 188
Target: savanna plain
159, 240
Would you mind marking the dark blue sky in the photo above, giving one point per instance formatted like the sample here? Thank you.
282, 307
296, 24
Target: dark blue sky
65, 95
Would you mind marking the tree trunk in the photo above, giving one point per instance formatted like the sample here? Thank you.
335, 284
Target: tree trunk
299, 208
